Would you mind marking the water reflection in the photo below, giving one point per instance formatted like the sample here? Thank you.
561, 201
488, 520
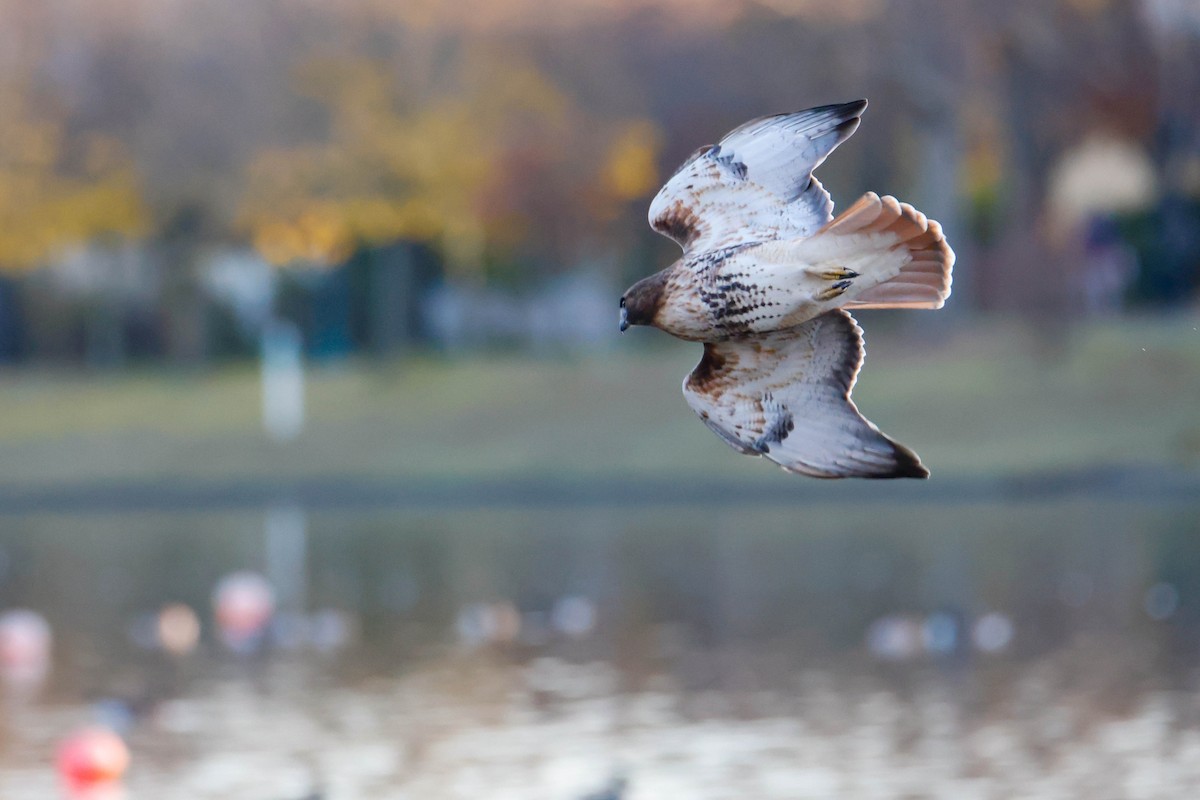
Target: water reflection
1034, 650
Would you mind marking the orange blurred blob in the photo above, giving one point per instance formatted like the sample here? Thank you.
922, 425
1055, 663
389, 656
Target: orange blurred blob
178, 629
91, 756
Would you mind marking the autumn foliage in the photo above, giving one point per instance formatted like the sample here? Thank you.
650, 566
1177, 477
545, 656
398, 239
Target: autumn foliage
526, 138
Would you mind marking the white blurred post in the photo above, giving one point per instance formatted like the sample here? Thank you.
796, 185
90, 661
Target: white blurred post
282, 381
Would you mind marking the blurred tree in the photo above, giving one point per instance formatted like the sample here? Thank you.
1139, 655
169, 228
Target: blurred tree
519, 144
62, 187
59, 187
630, 172
398, 160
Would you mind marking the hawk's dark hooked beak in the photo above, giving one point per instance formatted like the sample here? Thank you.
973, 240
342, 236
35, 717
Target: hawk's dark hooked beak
624, 318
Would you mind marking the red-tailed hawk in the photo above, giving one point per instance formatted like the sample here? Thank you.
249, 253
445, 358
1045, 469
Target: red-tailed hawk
766, 276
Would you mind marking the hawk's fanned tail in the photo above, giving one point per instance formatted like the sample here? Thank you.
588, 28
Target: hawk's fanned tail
903, 257
786, 395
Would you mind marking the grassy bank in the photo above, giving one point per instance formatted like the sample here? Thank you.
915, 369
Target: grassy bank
992, 398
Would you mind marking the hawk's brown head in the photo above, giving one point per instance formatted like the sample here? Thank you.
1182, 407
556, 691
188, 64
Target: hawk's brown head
641, 302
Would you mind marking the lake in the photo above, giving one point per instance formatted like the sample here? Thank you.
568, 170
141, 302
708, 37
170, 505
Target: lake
1037, 646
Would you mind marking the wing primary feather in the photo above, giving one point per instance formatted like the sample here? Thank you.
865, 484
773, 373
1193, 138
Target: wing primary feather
756, 184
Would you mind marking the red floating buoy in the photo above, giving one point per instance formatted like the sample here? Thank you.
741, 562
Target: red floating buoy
93, 755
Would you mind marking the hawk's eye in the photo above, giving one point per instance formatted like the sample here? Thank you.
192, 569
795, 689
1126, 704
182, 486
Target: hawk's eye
622, 302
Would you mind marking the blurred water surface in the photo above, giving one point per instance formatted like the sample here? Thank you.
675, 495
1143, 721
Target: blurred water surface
1020, 649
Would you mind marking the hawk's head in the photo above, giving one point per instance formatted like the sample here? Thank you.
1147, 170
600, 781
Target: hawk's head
641, 302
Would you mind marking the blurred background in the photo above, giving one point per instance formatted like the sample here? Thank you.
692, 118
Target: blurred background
325, 473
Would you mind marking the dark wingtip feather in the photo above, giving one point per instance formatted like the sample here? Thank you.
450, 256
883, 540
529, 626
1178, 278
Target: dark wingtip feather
854, 107
846, 129
842, 111
908, 464
848, 116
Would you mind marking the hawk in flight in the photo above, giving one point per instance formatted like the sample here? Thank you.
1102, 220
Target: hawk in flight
765, 281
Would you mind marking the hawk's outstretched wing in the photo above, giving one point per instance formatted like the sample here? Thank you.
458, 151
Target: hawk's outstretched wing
756, 184
786, 395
